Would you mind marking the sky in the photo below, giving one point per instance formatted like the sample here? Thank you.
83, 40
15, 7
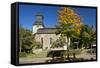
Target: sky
27, 15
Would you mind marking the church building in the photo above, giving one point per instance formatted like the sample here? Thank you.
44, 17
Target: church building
44, 35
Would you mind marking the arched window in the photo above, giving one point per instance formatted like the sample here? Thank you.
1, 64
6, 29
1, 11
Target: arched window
50, 40
41, 42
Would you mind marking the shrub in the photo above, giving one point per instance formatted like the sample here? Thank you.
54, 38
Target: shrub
58, 53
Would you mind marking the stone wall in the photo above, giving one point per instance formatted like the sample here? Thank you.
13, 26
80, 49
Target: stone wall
46, 39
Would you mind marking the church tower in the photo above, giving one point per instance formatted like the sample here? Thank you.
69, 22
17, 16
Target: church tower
38, 23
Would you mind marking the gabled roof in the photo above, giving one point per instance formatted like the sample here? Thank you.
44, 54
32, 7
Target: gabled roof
47, 31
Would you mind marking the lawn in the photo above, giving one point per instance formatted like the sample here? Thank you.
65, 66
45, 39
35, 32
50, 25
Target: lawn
41, 54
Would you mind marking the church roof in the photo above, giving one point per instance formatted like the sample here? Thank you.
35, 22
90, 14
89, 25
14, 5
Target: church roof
47, 31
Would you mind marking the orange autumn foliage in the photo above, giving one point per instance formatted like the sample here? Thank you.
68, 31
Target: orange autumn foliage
69, 16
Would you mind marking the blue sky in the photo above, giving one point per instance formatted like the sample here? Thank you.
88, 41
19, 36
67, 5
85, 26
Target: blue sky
27, 15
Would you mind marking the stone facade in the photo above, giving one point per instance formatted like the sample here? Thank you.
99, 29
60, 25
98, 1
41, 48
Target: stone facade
46, 39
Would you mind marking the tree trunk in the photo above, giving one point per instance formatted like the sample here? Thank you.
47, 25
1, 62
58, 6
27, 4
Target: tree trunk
68, 42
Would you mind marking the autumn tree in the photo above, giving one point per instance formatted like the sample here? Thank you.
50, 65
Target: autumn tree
69, 23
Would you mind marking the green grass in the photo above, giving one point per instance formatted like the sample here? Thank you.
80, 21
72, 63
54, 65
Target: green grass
41, 54
38, 55
22, 54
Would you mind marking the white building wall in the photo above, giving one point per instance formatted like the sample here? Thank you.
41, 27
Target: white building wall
36, 27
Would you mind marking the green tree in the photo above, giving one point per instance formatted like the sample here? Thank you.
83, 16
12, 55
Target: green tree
37, 45
26, 40
58, 43
87, 36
